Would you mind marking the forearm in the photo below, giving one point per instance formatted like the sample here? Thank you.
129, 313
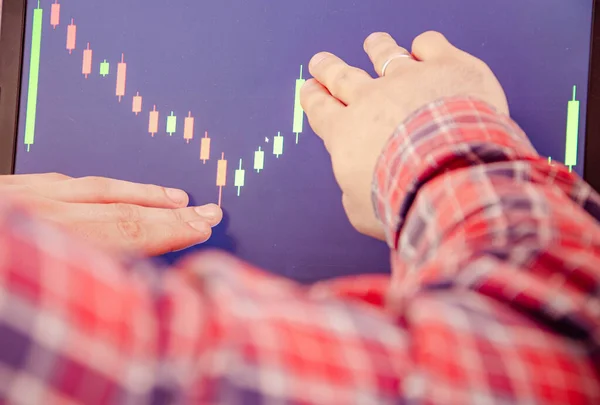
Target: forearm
78, 326
480, 210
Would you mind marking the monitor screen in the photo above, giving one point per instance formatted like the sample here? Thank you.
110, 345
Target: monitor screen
204, 96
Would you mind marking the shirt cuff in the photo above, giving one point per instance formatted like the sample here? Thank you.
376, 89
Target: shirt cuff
448, 134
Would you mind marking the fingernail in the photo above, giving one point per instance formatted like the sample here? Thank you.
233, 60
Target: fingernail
201, 226
177, 196
374, 36
318, 58
208, 211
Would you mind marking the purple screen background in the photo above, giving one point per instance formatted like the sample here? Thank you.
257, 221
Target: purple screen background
233, 63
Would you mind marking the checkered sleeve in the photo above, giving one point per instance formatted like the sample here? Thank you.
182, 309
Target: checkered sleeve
496, 261
493, 299
80, 327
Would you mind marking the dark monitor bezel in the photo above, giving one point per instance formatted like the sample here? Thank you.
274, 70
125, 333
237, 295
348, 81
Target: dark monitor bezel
12, 36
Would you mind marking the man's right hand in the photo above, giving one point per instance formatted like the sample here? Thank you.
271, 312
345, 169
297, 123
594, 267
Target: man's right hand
115, 214
356, 114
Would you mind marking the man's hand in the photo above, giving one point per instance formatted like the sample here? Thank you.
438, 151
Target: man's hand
355, 114
116, 214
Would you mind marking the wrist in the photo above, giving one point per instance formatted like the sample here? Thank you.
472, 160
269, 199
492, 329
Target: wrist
446, 134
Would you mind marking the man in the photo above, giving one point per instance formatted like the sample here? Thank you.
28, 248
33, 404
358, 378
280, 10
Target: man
493, 298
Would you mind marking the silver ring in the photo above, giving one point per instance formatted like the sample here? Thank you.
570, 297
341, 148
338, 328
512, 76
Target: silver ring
391, 58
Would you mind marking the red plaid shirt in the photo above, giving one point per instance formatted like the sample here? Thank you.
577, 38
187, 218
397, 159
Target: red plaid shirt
494, 297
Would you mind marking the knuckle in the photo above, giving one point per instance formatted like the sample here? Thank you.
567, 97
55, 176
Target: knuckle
347, 73
94, 180
177, 216
341, 76
127, 212
99, 187
132, 231
57, 176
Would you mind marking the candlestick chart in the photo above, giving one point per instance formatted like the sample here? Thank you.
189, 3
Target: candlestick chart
205, 97
154, 121
184, 125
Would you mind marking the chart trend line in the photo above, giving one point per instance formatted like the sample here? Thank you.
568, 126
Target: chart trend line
55, 15
34, 76
573, 109
298, 111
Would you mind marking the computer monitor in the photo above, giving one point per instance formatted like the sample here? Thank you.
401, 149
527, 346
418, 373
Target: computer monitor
204, 96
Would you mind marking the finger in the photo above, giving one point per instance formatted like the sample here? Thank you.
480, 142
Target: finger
151, 238
74, 213
341, 80
432, 45
320, 107
31, 179
103, 191
387, 56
